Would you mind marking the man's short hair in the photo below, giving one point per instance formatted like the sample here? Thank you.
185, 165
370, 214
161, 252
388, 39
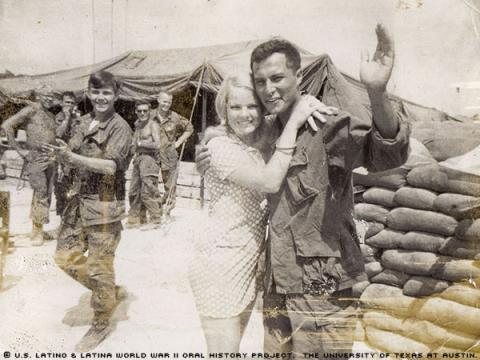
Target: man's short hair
68, 94
142, 102
166, 92
266, 49
43, 90
103, 79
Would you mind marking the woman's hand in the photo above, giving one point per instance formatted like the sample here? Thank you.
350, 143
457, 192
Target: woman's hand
308, 109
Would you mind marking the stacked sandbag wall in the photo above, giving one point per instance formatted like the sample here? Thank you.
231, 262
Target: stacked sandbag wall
422, 252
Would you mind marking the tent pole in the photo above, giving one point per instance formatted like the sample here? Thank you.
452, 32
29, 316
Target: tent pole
204, 126
197, 93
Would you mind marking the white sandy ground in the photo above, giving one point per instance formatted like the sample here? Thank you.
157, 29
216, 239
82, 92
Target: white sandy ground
43, 310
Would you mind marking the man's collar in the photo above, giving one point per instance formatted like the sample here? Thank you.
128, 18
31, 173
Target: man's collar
163, 118
103, 124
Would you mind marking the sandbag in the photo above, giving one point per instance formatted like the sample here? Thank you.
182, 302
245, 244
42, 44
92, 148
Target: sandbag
446, 139
421, 241
457, 171
389, 299
423, 286
460, 249
468, 230
412, 240
368, 250
393, 343
444, 313
390, 179
373, 228
450, 314
370, 212
359, 288
418, 155
415, 198
390, 277
410, 262
406, 219
457, 205
373, 268
386, 239
395, 178
463, 294
452, 269
428, 177
380, 196
463, 187
369, 259
425, 263
424, 331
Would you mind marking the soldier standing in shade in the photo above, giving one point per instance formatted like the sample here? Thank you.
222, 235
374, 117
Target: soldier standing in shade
67, 121
146, 167
174, 131
39, 124
92, 219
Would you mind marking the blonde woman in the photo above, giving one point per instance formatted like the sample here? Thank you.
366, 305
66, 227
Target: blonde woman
223, 272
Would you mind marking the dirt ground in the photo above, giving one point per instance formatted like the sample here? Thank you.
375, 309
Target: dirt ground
43, 310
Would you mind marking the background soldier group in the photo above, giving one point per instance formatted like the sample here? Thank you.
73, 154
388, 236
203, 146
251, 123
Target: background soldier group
86, 157
160, 134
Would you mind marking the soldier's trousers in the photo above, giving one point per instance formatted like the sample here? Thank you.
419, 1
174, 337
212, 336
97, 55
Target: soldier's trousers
95, 271
61, 189
143, 191
170, 177
307, 324
41, 175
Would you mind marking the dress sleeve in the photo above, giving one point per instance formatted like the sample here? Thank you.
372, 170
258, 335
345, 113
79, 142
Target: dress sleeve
227, 156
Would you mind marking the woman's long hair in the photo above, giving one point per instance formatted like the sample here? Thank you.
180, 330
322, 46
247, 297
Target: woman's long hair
238, 80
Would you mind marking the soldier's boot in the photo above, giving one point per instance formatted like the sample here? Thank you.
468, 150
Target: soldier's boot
98, 332
143, 215
101, 326
36, 236
120, 294
133, 223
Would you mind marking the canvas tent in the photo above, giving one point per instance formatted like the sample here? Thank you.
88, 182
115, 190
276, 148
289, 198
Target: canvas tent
144, 73
194, 75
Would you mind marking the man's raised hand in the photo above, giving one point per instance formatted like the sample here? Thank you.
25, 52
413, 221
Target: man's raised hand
375, 72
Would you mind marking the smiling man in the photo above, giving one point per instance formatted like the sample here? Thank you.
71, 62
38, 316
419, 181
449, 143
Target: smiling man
143, 189
314, 259
313, 254
39, 124
93, 217
174, 131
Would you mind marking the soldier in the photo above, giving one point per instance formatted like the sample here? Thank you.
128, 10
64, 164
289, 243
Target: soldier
67, 120
146, 167
39, 124
92, 219
171, 125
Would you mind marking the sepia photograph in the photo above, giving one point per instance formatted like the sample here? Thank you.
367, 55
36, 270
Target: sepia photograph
240, 179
